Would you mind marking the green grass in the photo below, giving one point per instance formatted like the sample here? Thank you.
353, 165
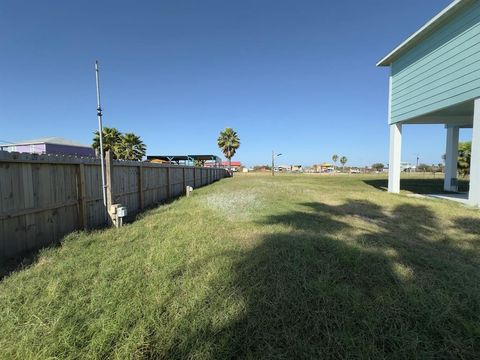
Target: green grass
289, 267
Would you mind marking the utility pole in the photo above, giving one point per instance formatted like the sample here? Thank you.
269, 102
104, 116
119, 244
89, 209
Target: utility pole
100, 134
418, 158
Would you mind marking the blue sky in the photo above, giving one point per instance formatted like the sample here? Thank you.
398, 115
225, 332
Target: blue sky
295, 76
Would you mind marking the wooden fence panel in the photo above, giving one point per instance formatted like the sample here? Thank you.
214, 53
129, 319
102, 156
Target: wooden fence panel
177, 181
126, 187
94, 196
155, 189
45, 197
189, 177
37, 202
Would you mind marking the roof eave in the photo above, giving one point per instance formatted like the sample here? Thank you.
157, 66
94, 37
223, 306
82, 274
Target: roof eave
424, 31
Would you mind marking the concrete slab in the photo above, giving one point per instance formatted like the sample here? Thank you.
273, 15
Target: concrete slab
458, 197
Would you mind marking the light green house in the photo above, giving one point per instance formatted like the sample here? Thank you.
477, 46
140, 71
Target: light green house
435, 79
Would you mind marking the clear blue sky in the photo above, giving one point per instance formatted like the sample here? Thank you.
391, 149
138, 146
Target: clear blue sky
297, 76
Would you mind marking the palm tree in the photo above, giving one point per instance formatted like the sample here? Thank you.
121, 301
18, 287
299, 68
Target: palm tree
130, 147
343, 161
199, 163
228, 141
111, 138
335, 159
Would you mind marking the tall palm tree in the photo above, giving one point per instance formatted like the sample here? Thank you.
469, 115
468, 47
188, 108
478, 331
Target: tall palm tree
111, 138
335, 159
343, 161
130, 147
228, 141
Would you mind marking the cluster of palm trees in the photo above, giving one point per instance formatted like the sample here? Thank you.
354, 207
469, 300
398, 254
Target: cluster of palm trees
343, 160
126, 146
228, 141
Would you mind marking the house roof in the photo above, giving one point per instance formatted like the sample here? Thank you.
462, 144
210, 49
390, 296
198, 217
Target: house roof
436, 22
234, 163
51, 140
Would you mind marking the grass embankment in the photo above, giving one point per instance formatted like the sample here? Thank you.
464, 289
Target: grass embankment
258, 267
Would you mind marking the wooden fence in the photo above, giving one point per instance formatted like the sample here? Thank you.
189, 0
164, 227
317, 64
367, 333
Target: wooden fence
45, 197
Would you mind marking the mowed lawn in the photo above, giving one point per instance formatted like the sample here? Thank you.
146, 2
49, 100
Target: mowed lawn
290, 267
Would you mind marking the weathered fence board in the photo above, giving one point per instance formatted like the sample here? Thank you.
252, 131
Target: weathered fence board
45, 197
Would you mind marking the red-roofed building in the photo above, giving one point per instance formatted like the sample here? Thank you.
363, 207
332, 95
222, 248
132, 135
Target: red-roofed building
235, 165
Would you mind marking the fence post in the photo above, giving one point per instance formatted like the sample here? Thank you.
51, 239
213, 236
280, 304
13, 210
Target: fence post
109, 183
81, 196
184, 182
140, 186
169, 190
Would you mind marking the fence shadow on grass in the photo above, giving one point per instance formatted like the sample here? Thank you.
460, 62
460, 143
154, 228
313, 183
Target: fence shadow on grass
350, 280
11, 264
418, 185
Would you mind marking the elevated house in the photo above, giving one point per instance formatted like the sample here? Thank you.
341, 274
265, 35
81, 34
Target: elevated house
435, 79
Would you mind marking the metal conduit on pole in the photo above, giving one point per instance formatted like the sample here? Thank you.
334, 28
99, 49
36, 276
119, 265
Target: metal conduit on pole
100, 133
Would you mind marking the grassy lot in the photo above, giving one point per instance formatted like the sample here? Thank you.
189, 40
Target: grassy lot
290, 267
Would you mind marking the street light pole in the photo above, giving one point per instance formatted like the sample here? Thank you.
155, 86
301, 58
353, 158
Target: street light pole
273, 162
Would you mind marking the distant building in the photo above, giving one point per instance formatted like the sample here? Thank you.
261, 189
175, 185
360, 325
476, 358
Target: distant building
189, 160
289, 168
235, 165
324, 167
283, 168
50, 145
407, 167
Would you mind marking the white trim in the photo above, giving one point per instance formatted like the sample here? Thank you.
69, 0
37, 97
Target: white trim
390, 97
454, 6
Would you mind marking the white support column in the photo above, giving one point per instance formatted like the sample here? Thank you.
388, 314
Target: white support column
451, 158
395, 158
474, 195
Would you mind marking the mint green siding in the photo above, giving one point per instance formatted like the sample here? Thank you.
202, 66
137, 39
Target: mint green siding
442, 70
